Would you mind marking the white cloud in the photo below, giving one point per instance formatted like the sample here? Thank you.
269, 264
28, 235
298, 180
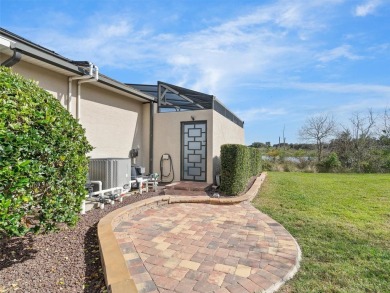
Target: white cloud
343, 51
380, 48
271, 40
346, 109
119, 29
257, 44
256, 114
367, 8
329, 87
114, 43
382, 90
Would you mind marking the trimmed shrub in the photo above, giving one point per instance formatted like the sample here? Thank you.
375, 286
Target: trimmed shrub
238, 164
255, 159
43, 162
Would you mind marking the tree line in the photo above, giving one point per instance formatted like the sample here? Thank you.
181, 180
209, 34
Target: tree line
360, 145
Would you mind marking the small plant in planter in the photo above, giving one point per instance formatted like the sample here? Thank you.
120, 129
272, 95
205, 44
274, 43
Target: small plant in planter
43, 159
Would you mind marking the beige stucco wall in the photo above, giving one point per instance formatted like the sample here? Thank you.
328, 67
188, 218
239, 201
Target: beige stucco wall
55, 83
224, 132
167, 139
114, 123
167, 128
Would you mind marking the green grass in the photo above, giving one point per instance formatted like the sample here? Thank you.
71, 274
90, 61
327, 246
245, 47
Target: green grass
342, 224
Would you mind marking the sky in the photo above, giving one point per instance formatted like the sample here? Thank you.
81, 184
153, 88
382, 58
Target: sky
273, 63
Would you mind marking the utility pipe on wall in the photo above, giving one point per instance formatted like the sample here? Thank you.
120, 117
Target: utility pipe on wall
87, 76
151, 142
95, 77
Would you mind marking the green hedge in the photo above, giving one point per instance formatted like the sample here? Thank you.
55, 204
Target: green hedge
238, 164
43, 162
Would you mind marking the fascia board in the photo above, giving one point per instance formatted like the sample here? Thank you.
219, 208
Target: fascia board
125, 88
64, 64
50, 59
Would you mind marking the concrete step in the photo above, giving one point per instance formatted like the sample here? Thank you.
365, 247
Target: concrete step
185, 192
188, 185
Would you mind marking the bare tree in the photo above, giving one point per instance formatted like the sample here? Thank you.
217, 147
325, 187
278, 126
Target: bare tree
363, 125
318, 129
362, 131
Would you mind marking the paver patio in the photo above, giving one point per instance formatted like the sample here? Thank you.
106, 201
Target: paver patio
195, 247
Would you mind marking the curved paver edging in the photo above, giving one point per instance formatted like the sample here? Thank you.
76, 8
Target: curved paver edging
116, 273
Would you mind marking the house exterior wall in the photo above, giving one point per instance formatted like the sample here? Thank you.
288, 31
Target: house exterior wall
114, 123
53, 82
167, 138
224, 132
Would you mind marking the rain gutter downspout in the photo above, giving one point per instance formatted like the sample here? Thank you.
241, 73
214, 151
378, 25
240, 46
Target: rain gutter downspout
89, 75
16, 57
151, 144
94, 78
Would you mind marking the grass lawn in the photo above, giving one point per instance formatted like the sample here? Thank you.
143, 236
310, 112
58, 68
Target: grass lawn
342, 224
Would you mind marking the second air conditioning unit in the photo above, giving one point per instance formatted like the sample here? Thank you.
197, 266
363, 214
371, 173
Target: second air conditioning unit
112, 172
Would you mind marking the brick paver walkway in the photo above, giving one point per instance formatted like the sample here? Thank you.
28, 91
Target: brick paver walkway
206, 248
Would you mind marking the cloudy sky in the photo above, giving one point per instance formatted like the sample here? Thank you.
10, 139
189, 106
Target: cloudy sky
274, 63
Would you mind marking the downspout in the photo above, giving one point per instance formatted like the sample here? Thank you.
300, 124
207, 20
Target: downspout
15, 58
151, 144
94, 78
89, 75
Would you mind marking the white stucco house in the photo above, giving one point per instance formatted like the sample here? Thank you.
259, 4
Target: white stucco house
165, 123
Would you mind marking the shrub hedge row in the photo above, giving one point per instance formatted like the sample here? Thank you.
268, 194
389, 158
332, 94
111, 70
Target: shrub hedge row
43, 162
238, 164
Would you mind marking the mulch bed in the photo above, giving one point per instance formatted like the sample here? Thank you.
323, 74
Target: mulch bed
64, 261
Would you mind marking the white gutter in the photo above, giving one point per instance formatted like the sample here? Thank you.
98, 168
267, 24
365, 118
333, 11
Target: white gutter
5, 43
94, 78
